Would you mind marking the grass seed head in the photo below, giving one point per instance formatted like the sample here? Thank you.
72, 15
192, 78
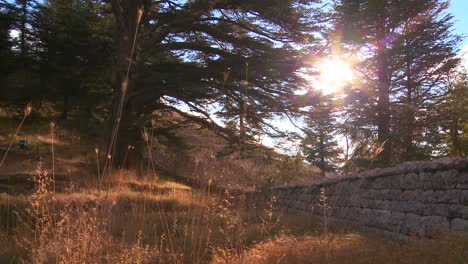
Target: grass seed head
27, 109
145, 135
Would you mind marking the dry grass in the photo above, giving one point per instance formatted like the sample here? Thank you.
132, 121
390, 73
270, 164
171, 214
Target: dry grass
206, 157
199, 148
184, 225
121, 225
353, 248
126, 218
130, 178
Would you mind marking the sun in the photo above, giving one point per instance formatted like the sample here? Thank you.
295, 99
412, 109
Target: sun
334, 74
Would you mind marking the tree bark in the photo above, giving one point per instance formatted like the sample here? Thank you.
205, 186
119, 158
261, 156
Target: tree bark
383, 106
322, 152
66, 103
410, 115
24, 13
126, 13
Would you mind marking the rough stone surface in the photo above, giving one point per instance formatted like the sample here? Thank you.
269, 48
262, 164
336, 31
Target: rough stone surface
411, 199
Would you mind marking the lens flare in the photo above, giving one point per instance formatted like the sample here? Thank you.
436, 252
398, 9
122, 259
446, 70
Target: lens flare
334, 74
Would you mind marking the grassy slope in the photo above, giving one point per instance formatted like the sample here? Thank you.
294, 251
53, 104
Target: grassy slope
135, 220
201, 153
353, 248
182, 149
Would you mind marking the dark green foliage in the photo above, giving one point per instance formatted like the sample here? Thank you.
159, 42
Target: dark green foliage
196, 43
408, 49
453, 113
6, 24
320, 143
18, 75
195, 53
425, 54
74, 51
239, 60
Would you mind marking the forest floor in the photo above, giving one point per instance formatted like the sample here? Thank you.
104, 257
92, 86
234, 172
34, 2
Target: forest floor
73, 212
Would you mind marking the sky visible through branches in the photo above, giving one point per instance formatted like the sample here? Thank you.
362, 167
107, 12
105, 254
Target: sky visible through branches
458, 8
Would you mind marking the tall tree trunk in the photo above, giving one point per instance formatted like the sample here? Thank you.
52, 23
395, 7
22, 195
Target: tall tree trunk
23, 51
243, 109
127, 14
347, 149
455, 137
322, 155
410, 115
24, 13
383, 106
241, 125
66, 104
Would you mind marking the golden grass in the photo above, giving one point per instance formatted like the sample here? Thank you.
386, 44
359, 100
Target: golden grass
188, 226
118, 225
126, 218
198, 148
353, 248
130, 178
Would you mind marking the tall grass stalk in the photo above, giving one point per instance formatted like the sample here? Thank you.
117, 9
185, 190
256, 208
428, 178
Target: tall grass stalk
149, 142
161, 210
96, 150
130, 147
153, 125
26, 112
325, 206
109, 177
52, 126
124, 87
379, 149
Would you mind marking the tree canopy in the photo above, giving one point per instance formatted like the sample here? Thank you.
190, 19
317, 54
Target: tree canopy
112, 63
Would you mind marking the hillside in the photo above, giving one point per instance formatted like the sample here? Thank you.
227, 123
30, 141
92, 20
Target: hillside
182, 149
208, 156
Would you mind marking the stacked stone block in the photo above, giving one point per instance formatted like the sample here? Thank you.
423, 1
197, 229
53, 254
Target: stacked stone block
417, 198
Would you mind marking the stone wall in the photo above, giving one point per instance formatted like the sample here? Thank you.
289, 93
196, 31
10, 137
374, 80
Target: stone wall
418, 198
